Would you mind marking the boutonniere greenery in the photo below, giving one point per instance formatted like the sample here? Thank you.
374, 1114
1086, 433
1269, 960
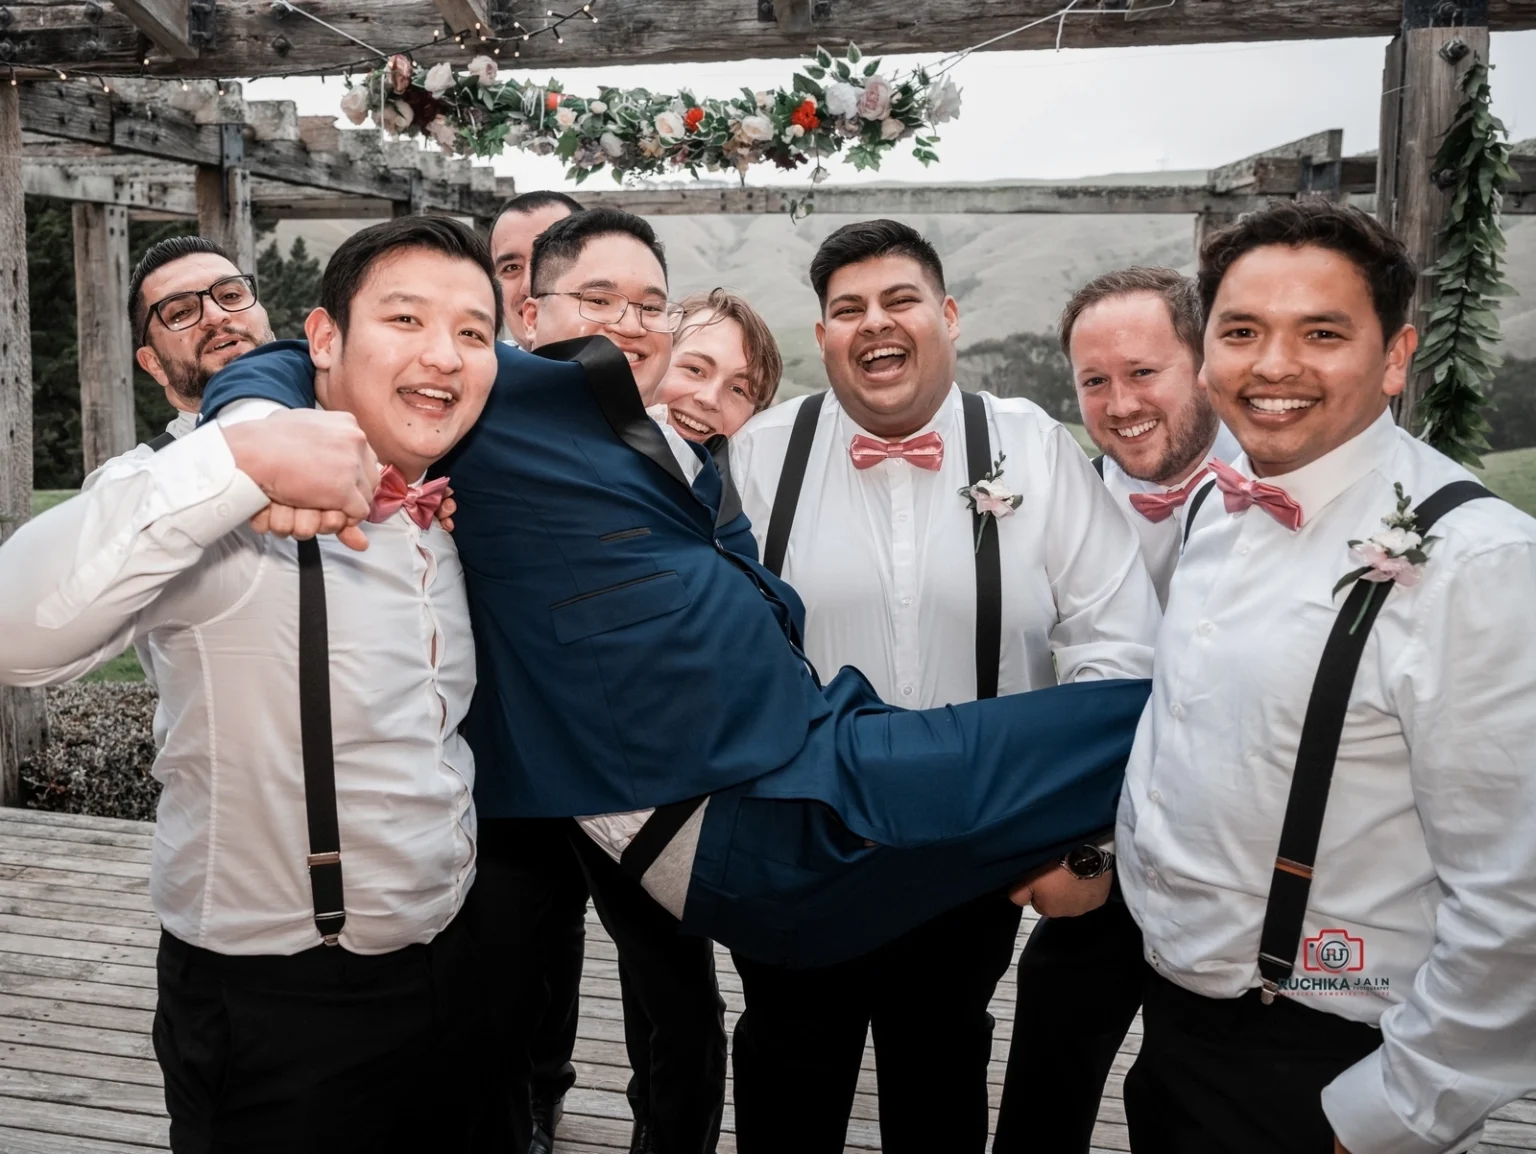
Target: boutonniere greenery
990, 496
1396, 553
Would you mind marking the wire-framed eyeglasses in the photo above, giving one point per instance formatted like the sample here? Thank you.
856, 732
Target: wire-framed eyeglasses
233, 294
608, 308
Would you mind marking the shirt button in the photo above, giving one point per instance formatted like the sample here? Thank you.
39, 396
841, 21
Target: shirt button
901, 516
1151, 874
1155, 796
221, 509
906, 600
1242, 550
906, 691
1152, 954
1206, 629
1177, 710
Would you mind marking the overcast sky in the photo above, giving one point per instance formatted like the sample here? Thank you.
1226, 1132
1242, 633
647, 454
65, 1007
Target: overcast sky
1077, 112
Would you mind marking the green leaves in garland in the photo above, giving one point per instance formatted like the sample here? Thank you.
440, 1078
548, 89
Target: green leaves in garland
1459, 354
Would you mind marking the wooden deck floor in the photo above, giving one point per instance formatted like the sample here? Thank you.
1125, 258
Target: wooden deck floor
77, 992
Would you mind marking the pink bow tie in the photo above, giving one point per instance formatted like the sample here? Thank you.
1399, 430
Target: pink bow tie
1160, 506
1239, 493
926, 452
420, 502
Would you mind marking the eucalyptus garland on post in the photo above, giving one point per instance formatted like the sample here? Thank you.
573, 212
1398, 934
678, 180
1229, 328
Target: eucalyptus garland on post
1459, 354
834, 102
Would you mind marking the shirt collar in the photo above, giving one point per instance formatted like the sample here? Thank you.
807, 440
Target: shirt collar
182, 425
1315, 485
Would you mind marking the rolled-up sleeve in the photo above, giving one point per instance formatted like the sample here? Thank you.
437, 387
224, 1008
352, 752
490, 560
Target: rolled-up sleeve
1463, 1042
78, 577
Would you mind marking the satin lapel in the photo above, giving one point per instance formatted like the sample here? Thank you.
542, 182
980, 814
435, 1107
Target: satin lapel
730, 499
613, 385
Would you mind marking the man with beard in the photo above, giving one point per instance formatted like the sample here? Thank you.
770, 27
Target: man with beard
1135, 341
192, 313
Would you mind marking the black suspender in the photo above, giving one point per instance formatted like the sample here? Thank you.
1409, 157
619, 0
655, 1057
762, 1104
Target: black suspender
791, 478
1193, 509
1321, 732
315, 738
978, 460
316, 742
989, 565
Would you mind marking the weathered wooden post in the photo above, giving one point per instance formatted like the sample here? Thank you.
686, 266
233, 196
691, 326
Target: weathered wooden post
224, 200
101, 322
23, 712
1420, 94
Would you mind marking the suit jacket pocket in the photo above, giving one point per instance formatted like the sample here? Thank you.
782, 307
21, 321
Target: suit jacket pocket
628, 603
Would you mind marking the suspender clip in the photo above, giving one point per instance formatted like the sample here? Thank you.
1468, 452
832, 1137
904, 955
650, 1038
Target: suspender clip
331, 858
1267, 991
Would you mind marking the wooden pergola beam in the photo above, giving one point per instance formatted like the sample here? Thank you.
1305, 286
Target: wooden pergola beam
164, 22
256, 39
464, 15
103, 339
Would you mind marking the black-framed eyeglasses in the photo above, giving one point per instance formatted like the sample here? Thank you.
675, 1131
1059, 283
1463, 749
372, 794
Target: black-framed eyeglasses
608, 308
233, 294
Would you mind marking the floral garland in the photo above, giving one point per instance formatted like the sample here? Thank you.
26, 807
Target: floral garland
1460, 350
833, 103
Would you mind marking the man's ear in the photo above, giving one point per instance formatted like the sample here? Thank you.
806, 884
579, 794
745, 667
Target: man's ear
1400, 352
952, 317
821, 341
531, 319
149, 361
324, 338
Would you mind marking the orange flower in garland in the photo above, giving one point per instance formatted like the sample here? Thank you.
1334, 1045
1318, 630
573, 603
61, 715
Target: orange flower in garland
805, 116
692, 117
551, 100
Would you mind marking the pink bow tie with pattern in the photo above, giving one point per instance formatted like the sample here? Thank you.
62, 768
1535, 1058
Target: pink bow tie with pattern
1160, 506
420, 502
926, 452
1239, 493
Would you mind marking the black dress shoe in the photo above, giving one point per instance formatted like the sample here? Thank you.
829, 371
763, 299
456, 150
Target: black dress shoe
547, 1113
640, 1141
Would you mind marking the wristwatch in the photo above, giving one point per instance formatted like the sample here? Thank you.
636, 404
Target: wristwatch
1087, 862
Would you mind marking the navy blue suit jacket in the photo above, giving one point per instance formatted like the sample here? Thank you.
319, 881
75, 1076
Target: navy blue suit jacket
632, 653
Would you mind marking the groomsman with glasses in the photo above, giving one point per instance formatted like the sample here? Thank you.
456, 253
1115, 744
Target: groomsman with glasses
1328, 828
858, 497
1134, 338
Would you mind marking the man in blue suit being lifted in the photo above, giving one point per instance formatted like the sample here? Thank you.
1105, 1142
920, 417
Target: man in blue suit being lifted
640, 671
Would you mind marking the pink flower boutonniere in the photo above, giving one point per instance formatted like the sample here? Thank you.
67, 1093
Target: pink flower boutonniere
1396, 553
990, 496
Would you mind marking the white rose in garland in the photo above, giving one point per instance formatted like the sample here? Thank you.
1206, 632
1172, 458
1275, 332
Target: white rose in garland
835, 105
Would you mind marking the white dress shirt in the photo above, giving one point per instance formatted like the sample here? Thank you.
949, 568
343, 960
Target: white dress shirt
1162, 540
1428, 850
158, 549
883, 557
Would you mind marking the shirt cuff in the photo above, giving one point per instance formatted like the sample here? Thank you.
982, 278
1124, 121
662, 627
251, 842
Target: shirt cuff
1357, 1106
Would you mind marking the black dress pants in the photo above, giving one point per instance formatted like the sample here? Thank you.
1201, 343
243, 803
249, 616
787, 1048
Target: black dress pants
324, 1051
527, 915
1079, 987
801, 1039
674, 1017
1236, 1076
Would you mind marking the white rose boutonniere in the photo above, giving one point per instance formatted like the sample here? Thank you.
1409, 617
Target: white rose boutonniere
1396, 553
989, 496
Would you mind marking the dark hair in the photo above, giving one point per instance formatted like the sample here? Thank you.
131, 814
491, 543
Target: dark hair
1178, 292
765, 364
1370, 246
354, 257
561, 244
156, 257
866, 240
526, 202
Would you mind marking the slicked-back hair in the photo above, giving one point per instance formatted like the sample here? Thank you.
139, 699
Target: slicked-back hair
355, 257
1370, 246
560, 245
1178, 292
156, 257
765, 365
526, 202
868, 240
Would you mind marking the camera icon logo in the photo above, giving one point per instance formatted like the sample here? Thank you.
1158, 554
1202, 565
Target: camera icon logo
1333, 951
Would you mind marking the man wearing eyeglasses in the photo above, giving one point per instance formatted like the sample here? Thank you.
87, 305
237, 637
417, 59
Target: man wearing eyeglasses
193, 312
603, 273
